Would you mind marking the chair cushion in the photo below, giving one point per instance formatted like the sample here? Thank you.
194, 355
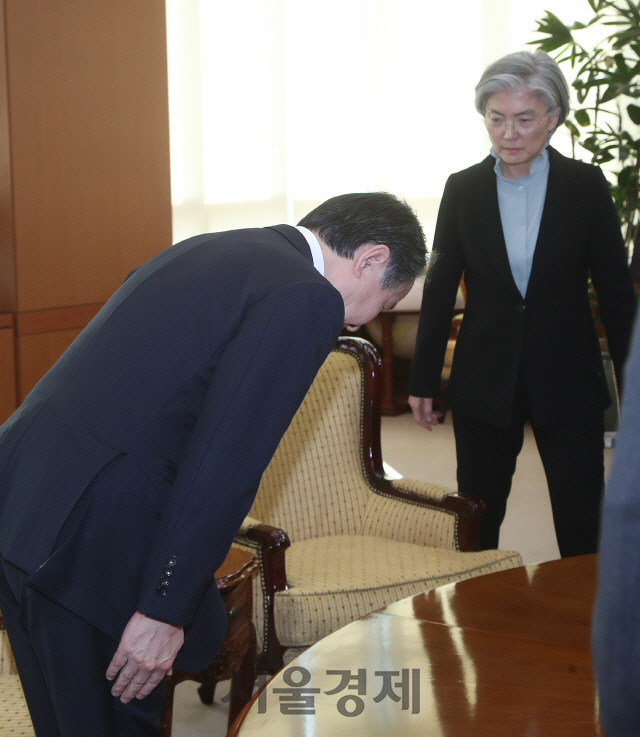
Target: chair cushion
334, 580
14, 715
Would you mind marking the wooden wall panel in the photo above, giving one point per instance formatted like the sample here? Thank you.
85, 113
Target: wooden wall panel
36, 355
7, 240
7, 373
84, 166
88, 122
62, 318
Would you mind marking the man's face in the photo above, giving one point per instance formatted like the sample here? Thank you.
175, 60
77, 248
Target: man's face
358, 281
365, 302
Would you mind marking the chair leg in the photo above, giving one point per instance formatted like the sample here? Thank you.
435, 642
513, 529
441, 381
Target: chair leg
243, 680
207, 693
167, 709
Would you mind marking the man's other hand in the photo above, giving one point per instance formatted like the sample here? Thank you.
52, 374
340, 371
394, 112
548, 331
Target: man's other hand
144, 657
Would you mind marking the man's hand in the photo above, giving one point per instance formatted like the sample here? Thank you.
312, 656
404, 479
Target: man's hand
144, 657
422, 408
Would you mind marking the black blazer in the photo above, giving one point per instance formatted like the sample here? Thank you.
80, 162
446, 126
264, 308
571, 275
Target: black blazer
141, 450
551, 331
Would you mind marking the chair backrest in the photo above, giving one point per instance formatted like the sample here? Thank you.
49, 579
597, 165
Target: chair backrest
316, 483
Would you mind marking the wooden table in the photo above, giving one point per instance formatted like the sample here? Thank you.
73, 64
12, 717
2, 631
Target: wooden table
503, 654
236, 659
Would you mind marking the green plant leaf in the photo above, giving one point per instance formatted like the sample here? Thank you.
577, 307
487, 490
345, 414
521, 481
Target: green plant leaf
602, 157
591, 144
582, 118
634, 10
606, 79
572, 128
626, 38
609, 94
634, 113
558, 33
621, 63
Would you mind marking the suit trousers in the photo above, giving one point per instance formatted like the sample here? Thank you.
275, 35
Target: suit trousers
62, 662
573, 458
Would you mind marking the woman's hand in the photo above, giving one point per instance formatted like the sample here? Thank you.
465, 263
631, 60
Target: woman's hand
422, 408
144, 657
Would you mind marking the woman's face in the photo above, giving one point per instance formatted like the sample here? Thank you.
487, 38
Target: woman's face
516, 137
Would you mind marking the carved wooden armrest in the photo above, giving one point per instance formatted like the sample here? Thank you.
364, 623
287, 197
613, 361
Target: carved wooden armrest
465, 511
269, 545
247, 523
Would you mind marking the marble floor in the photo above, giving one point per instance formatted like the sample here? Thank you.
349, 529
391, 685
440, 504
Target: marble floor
417, 453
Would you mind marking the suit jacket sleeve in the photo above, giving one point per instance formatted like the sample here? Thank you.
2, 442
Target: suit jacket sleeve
258, 384
439, 298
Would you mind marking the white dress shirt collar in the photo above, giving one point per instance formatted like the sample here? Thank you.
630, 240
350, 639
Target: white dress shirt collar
316, 251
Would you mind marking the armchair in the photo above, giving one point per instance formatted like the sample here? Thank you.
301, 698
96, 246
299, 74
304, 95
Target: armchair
355, 540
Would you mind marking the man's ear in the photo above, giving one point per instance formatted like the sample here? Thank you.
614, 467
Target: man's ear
370, 255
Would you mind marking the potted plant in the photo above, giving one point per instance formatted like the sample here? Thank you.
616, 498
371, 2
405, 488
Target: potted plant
606, 71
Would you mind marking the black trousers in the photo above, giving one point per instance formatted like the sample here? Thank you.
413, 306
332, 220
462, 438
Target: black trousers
62, 662
573, 458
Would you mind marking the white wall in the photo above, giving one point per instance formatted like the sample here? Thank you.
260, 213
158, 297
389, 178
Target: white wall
278, 104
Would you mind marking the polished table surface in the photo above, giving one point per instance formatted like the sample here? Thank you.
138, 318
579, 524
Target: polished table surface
502, 654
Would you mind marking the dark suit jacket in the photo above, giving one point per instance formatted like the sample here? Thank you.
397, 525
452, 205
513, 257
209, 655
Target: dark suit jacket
139, 453
551, 331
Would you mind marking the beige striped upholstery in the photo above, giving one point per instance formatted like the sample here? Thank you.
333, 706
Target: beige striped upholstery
14, 715
314, 485
334, 580
353, 549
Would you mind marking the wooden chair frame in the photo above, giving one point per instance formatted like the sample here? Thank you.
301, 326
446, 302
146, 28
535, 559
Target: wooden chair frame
270, 543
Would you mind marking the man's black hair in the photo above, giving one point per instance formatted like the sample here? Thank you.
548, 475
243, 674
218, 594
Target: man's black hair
349, 221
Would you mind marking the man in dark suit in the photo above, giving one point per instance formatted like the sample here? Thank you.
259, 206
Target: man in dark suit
528, 228
129, 467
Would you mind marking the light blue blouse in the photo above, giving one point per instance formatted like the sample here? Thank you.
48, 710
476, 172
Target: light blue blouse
521, 203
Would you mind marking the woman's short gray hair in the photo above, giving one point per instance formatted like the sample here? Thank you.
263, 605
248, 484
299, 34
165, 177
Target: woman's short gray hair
534, 70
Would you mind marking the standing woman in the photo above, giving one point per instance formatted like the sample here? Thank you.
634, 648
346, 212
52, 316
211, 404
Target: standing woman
526, 227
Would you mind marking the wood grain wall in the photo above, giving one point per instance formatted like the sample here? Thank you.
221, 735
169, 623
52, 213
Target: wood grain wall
84, 163
7, 367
